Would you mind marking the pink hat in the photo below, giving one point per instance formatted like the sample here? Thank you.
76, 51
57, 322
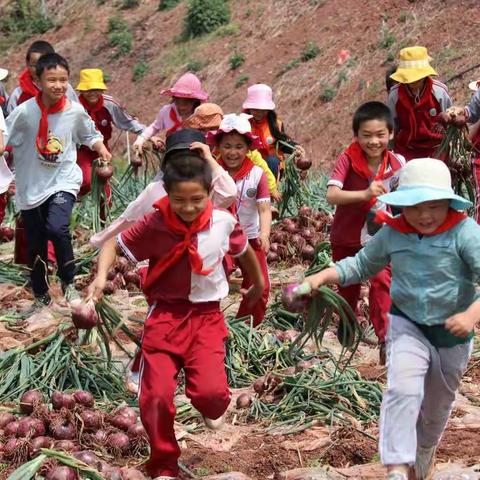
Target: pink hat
235, 123
187, 86
260, 97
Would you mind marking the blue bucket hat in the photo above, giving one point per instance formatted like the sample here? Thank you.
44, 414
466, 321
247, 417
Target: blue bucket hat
423, 180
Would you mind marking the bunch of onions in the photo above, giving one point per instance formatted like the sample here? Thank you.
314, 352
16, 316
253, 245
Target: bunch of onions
62, 400
30, 427
62, 473
292, 300
122, 275
124, 418
6, 234
84, 315
104, 171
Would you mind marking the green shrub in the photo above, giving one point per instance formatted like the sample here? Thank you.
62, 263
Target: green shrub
117, 24
310, 51
167, 4
289, 66
236, 60
126, 4
140, 70
195, 65
241, 80
328, 94
205, 16
119, 36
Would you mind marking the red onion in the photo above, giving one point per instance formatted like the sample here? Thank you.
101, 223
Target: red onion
100, 436
111, 274
84, 398
287, 221
132, 277
29, 399
84, 315
89, 458
127, 412
291, 228
280, 237
303, 163
11, 428
122, 265
30, 427
274, 247
62, 400
272, 257
305, 211
291, 302
66, 446
297, 240
62, 473
137, 431
259, 385
112, 473
41, 442
63, 430
6, 418
11, 447
132, 474
308, 252
92, 419
244, 400
6, 234
104, 171
109, 287
122, 422
118, 443
306, 233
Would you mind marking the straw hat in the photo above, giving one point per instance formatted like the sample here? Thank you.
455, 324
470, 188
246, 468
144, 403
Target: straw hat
414, 65
3, 73
206, 116
259, 96
235, 123
91, 79
423, 180
187, 86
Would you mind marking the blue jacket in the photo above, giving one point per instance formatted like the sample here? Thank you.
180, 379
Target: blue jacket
433, 277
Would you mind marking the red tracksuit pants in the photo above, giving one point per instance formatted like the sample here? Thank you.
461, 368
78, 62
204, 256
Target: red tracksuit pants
379, 294
258, 310
3, 205
189, 336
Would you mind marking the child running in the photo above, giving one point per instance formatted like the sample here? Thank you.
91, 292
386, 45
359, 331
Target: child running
234, 139
185, 240
29, 85
44, 132
433, 250
416, 103
365, 170
268, 127
105, 112
186, 94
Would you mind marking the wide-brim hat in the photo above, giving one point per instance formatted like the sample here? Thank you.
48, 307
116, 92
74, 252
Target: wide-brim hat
187, 86
424, 180
181, 140
91, 79
414, 64
206, 116
235, 123
474, 86
3, 73
259, 97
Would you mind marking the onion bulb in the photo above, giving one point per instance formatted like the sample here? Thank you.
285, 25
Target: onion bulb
104, 171
84, 315
29, 399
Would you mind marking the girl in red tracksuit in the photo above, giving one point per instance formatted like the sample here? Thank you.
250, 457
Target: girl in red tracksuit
185, 240
233, 140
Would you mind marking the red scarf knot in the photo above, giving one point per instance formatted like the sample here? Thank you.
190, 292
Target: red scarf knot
26, 84
42, 135
177, 121
92, 110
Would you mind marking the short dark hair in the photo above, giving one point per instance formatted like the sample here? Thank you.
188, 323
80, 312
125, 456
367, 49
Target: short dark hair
222, 134
372, 111
40, 46
186, 166
390, 82
50, 61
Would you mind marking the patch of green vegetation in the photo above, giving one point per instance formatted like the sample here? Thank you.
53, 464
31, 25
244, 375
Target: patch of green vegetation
167, 4
328, 94
203, 472
140, 70
241, 80
229, 30
119, 36
342, 76
236, 60
195, 65
387, 39
126, 4
310, 51
21, 20
205, 16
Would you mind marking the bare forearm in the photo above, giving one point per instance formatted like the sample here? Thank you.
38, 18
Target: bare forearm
337, 196
265, 213
107, 257
328, 276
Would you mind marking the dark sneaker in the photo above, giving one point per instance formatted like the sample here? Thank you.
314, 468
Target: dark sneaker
42, 301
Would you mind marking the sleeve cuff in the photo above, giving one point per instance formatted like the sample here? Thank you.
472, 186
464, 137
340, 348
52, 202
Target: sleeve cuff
335, 183
125, 249
341, 273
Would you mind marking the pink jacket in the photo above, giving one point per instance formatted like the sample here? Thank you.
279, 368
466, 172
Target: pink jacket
162, 121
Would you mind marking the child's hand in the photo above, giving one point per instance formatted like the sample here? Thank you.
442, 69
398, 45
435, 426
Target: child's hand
375, 189
253, 294
276, 196
327, 276
105, 155
299, 151
203, 150
460, 324
138, 145
158, 142
264, 242
95, 290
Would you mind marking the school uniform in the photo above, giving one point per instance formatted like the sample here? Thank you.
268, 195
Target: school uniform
106, 114
472, 111
3, 99
353, 227
434, 278
415, 118
185, 327
168, 119
47, 180
6, 175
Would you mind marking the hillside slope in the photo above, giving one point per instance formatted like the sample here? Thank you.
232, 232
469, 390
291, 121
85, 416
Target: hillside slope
315, 98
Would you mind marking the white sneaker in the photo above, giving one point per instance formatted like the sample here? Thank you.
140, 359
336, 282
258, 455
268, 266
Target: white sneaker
425, 462
132, 383
216, 424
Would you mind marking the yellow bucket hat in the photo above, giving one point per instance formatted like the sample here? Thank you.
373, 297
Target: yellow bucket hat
414, 65
91, 79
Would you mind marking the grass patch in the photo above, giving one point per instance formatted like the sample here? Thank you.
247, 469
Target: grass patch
126, 4
119, 36
387, 38
196, 65
309, 52
236, 60
241, 80
167, 4
205, 16
328, 94
140, 69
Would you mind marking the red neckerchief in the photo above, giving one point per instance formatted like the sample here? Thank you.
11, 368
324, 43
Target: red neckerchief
42, 135
405, 99
177, 122
26, 84
245, 169
176, 226
92, 110
400, 224
359, 162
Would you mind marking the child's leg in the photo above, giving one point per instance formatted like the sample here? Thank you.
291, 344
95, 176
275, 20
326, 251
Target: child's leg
57, 226
206, 379
408, 360
258, 310
380, 302
84, 161
36, 238
441, 383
